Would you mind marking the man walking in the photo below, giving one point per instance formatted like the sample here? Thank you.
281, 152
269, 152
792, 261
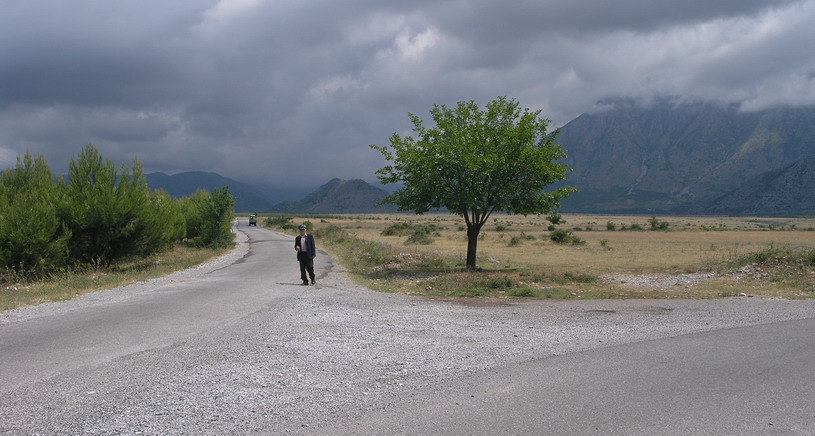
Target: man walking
306, 252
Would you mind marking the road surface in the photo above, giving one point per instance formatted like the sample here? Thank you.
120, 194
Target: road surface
237, 346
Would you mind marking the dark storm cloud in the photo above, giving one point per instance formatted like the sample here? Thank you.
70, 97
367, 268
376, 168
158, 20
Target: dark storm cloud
283, 92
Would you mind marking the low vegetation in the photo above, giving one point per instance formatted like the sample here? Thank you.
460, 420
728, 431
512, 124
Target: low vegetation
522, 260
101, 221
17, 290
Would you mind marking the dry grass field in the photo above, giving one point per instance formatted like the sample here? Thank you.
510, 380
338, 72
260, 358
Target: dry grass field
695, 257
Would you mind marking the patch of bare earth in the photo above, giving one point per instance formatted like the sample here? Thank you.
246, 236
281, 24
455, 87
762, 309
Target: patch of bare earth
752, 273
663, 282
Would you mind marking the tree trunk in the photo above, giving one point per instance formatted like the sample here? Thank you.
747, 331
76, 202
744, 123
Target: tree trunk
472, 245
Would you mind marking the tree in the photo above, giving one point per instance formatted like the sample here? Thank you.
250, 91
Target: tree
111, 211
475, 162
218, 213
32, 237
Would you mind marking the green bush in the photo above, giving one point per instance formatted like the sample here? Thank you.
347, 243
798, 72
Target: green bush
398, 229
111, 212
560, 236
218, 214
421, 236
656, 224
281, 221
32, 236
101, 214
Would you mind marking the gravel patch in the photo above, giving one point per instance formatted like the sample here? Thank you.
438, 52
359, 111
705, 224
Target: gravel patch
662, 282
338, 350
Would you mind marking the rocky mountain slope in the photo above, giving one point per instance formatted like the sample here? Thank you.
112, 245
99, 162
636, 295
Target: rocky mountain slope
668, 158
339, 196
787, 191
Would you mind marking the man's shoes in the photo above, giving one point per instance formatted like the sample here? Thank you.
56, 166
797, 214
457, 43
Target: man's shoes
305, 283
312, 281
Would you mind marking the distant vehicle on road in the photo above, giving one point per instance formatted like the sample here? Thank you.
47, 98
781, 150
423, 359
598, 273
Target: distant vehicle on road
253, 220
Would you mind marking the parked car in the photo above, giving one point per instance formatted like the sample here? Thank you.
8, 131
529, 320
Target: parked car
253, 220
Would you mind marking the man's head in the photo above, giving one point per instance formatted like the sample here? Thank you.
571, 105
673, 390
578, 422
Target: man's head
302, 229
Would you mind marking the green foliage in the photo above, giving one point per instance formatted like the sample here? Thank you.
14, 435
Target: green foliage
502, 283
634, 227
474, 162
218, 213
101, 215
281, 221
192, 211
360, 254
610, 226
656, 224
517, 240
417, 235
398, 229
111, 213
567, 277
420, 236
32, 236
562, 236
555, 218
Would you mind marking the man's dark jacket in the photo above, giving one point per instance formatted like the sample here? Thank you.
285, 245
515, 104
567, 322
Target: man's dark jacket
307, 249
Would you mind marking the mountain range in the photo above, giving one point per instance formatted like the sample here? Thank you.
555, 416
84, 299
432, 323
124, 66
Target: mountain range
336, 196
680, 158
664, 158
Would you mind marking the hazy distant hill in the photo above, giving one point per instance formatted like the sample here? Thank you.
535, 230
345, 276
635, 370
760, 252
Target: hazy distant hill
248, 198
787, 191
668, 158
339, 196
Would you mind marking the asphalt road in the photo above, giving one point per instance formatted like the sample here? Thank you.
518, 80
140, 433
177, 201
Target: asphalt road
237, 346
754, 380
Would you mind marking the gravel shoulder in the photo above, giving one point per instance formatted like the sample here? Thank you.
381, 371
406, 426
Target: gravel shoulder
336, 351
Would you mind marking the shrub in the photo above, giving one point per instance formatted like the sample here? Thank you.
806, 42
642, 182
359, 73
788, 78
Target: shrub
398, 229
281, 221
555, 218
610, 226
656, 224
420, 236
560, 236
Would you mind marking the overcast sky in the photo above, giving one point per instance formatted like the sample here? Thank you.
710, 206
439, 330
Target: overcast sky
292, 92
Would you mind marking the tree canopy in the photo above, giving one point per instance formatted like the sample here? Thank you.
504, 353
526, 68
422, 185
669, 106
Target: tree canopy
474, 162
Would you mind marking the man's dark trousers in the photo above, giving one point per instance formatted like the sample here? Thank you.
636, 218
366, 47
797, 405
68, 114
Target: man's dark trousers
306, 266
